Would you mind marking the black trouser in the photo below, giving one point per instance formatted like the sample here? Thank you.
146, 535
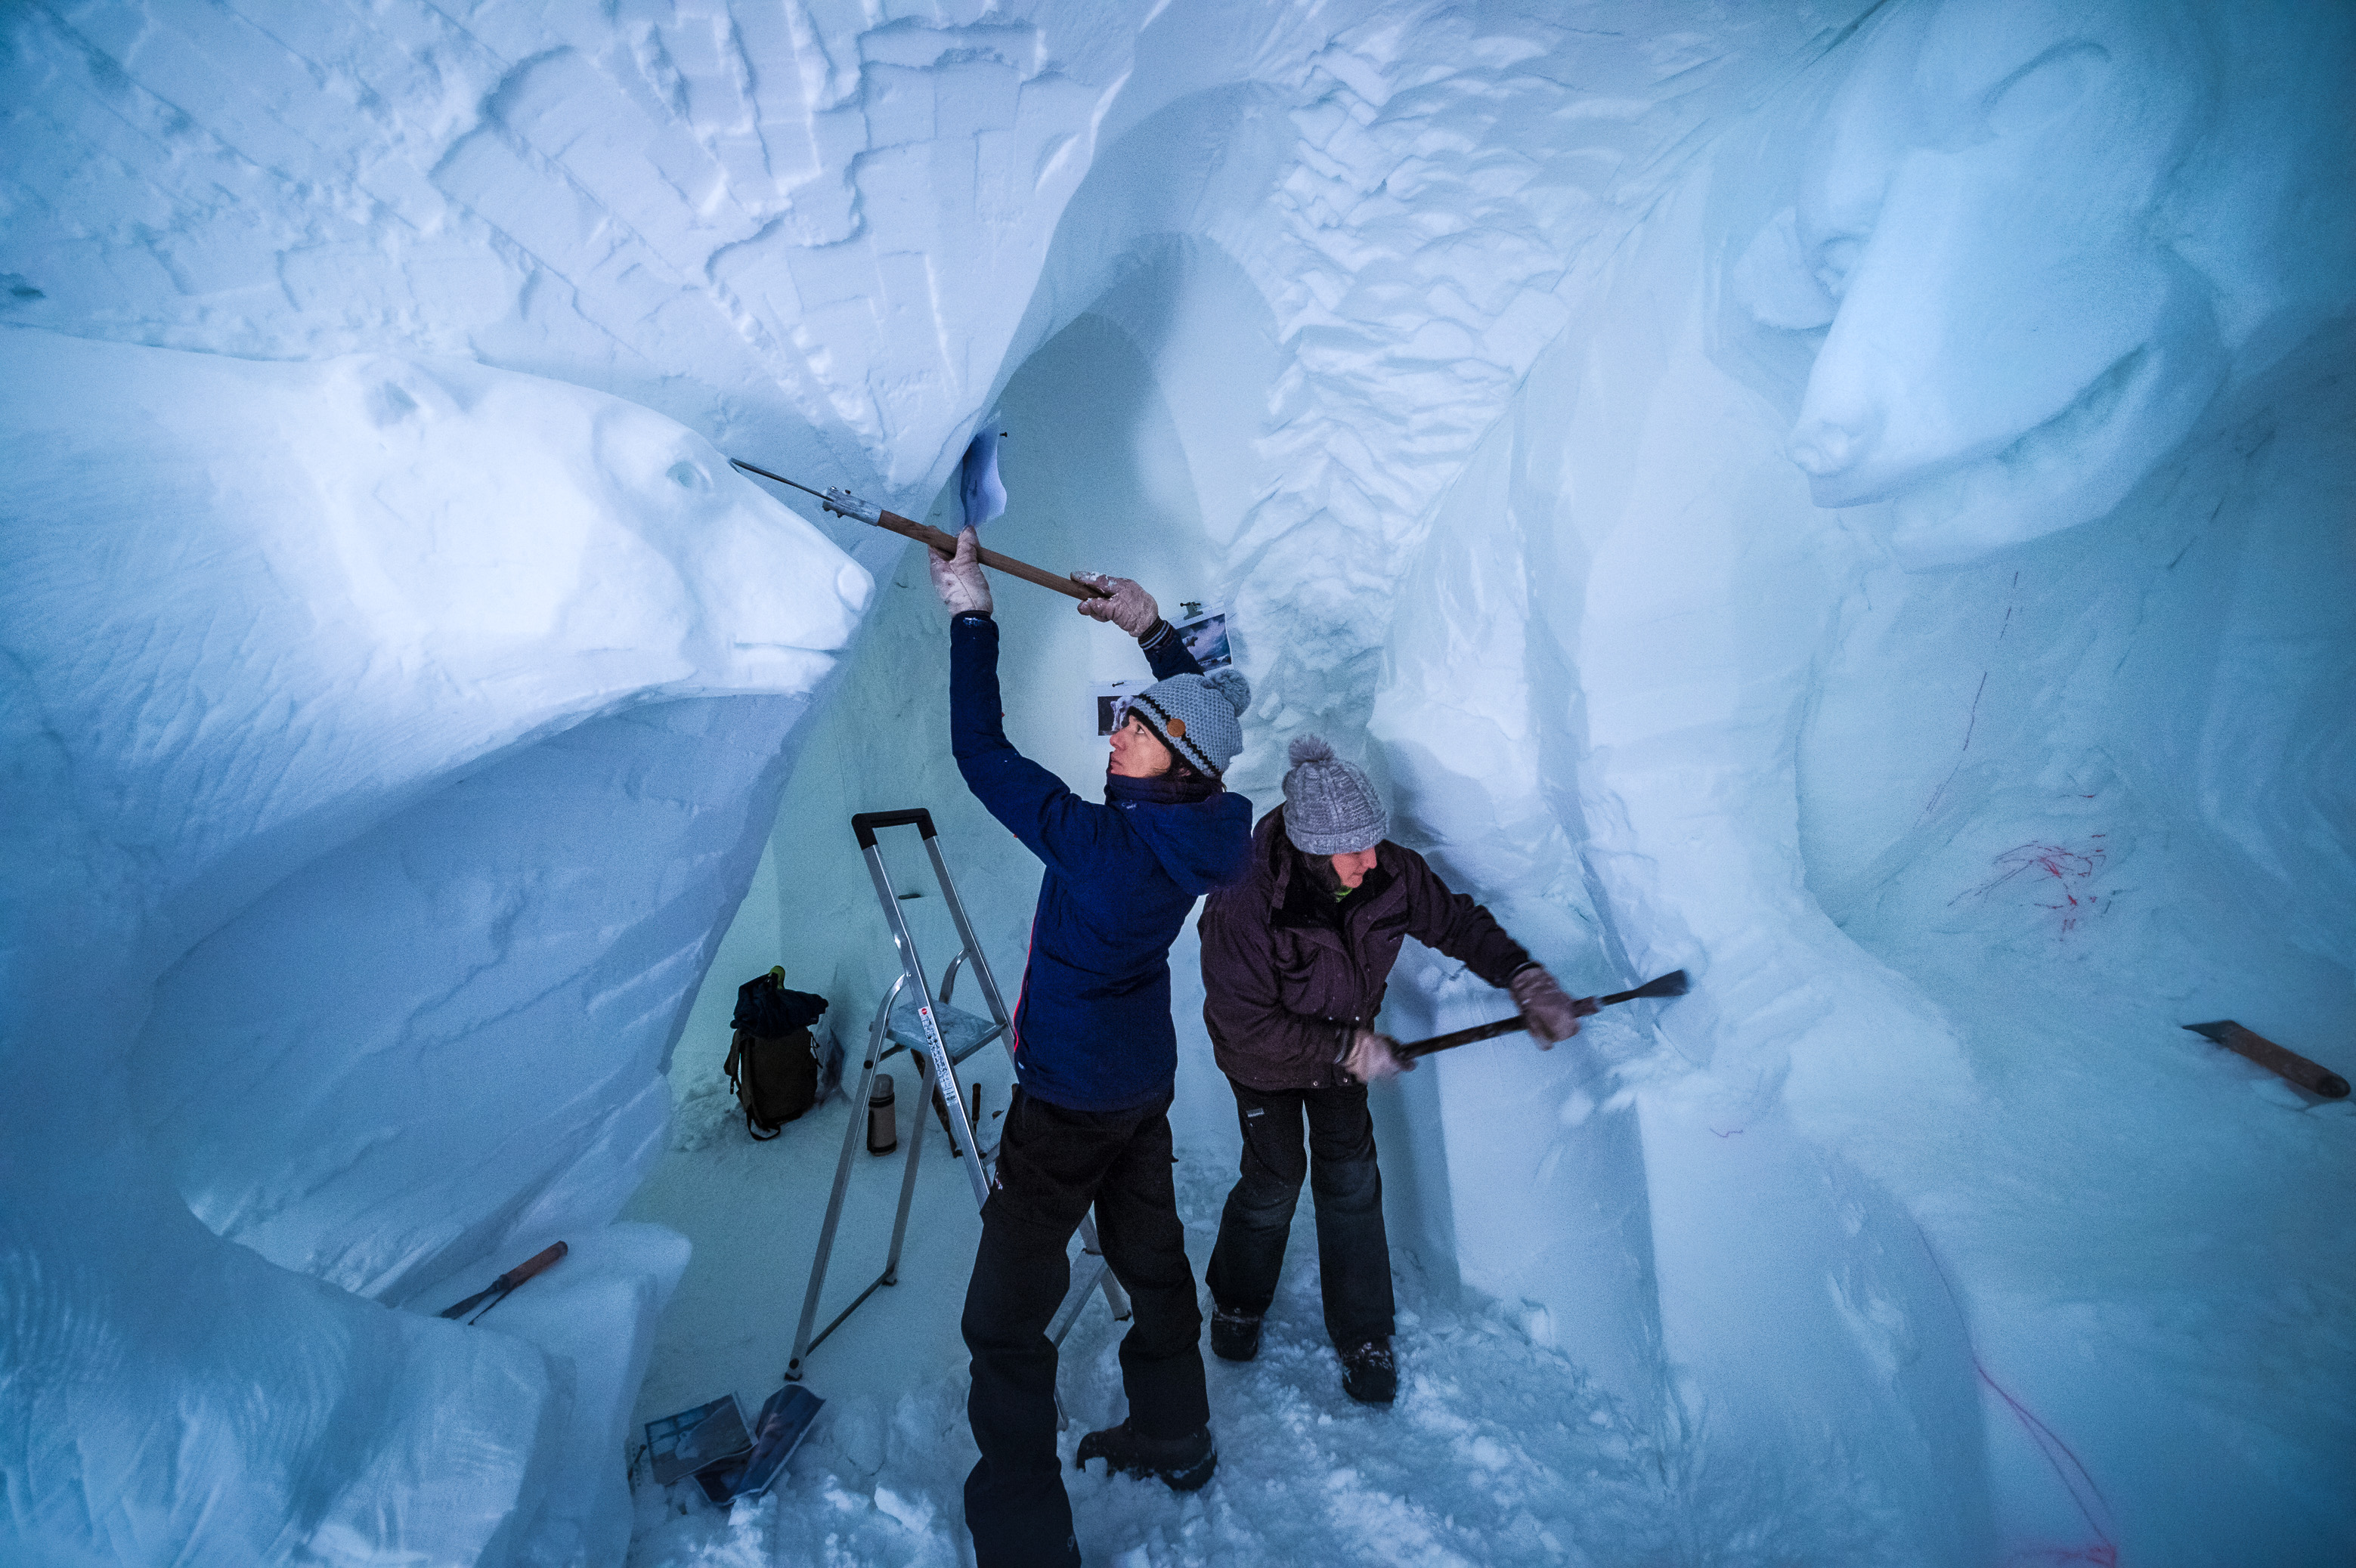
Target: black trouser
1051, 1164
1353, 1255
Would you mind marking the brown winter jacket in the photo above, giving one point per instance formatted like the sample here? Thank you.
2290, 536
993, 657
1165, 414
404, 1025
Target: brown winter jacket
1288, 974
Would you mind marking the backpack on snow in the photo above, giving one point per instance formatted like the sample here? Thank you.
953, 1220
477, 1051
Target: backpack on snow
773, 1061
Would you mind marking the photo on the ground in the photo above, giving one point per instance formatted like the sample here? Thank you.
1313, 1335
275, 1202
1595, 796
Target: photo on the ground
679, 1445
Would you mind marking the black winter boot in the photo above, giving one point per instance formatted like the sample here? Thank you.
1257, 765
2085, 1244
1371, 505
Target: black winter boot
1183, 1463
1369, 1373
1235, 1335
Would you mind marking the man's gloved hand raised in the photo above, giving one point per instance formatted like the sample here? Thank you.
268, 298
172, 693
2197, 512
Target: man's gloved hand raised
1373, 1056
957, 579
1549, 1014
1130, 607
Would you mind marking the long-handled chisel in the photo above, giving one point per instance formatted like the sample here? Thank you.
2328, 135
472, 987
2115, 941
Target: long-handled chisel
1672, 984
844, 503
500, 1288
2312, 1076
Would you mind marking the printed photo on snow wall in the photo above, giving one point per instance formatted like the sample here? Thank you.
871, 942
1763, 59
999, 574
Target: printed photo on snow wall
1768, 587
1204, 632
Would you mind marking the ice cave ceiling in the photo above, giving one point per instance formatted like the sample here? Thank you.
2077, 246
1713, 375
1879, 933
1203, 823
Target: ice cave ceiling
1852, 498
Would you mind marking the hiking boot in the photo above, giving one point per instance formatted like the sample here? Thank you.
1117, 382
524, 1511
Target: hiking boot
1369, 1372
1235, 1334
1182, 1464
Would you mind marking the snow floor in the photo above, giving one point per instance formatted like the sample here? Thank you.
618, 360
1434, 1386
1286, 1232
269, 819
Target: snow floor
1497, 1452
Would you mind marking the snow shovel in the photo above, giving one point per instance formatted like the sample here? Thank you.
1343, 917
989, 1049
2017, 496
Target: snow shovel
843, 503
500, 1288
1672, 984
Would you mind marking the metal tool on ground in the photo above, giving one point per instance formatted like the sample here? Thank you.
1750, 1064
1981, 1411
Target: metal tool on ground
1672, 984
2311, 1076
844, 503
499, 1289
914, 1016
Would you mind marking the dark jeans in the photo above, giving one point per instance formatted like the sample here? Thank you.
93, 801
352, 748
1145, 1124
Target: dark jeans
1353, 1255
1051, 1164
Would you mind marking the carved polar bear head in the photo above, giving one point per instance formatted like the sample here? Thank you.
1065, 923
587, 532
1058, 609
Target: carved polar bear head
2040, 238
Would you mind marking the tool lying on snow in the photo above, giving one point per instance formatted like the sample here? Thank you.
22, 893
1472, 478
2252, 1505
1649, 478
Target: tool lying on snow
1672, 984
844, 503
2311, 1076
504, 1286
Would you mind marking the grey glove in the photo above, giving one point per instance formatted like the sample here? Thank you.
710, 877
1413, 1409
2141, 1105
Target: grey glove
957, 579
1372, 1056
1130, 607
1549, 1015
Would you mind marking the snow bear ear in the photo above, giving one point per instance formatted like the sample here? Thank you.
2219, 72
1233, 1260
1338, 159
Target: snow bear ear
1774, 281
1229, 682
1310, 749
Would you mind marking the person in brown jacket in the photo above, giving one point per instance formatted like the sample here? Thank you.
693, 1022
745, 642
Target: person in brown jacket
1295, 958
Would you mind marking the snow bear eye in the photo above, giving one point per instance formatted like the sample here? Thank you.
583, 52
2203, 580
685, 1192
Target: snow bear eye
2044, 89
388, 404
687, 476
1835, 259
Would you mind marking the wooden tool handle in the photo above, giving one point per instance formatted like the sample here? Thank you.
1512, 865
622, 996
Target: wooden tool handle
2312, 1076
844, 503
926, 534
538, 1262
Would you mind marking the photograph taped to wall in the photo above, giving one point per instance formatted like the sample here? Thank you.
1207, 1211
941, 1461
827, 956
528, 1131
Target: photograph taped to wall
1109, 701
1204, 628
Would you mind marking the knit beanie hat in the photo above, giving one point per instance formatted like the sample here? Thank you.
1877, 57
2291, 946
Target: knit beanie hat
1198, 717
1330, 807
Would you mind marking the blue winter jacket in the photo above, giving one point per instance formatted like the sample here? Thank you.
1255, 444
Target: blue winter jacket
1093, 1031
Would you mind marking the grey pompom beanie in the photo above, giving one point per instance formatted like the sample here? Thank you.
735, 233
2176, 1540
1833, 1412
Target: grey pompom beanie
1330, 807
1198, 717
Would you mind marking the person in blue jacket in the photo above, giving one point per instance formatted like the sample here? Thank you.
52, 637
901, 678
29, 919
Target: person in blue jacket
1095, 1060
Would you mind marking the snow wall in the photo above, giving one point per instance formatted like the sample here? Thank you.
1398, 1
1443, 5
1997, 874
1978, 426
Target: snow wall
1848, 499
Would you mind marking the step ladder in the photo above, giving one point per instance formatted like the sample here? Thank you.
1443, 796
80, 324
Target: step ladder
911, 1017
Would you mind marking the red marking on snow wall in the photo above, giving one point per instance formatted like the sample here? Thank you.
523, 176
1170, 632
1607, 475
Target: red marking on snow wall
2074, 1478
2057, 871
2068, 1468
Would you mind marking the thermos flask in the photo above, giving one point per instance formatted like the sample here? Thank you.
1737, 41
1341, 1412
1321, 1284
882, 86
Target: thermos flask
882, 1123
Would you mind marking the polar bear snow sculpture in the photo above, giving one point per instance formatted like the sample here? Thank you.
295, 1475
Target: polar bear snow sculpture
2043, 237
388, 744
